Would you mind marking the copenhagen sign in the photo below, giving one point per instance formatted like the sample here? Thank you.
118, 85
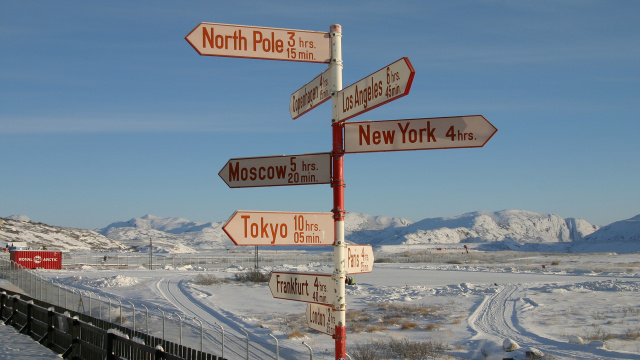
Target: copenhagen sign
260, 42
312, 94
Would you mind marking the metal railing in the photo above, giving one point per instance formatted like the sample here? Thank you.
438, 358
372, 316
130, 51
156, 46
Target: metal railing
81, 336
167, 326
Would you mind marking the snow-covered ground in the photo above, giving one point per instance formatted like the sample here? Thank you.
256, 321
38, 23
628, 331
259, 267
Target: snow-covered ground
18, 346
470, 308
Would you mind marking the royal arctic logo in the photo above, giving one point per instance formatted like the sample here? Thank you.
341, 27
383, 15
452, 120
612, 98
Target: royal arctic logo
37, 259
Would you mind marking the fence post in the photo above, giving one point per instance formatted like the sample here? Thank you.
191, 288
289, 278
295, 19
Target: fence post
48, 336
179, 317
14, 310
310, 350
222, 342
99, 306
110, 341
247, 335
89, 303
162, 326
134, 315
3, 296
146, 320
72, 351
108, 298
120, 301
201, 332
159, 352
277, 348
26, 329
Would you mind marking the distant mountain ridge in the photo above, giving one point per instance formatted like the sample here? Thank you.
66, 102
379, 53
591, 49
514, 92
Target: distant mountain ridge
507, 229
176, 235
482, 226
171, 225
21, 229
620, 235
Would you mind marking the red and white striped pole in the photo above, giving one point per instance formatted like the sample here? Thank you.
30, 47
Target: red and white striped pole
337, 182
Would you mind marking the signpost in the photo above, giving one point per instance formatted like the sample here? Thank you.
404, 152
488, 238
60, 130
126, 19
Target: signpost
260, 42
311, 288
325, 294
385, 85
312, 94
321, 318
255, 228
281, 170
359, 259
418, 134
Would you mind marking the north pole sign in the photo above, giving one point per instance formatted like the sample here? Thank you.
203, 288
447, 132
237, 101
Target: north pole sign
387, 84
260, 42
308, 169
255, 228
418, 134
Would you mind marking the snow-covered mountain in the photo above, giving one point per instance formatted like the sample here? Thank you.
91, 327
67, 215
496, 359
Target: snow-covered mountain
511, 228
175, 235
620, 236
21, 229
482, 230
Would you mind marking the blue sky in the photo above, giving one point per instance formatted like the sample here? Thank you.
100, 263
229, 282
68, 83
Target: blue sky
107, 113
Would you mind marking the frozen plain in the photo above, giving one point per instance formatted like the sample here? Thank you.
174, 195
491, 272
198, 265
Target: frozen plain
470, 306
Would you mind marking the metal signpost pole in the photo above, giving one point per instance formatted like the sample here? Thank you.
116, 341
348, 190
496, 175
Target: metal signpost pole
339, 246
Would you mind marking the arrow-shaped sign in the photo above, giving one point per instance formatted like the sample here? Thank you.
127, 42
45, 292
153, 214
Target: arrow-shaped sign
359, 259
321, 318
311, 288
418, 134
385, 85
311, 95
254, 228
308, 169
260, 42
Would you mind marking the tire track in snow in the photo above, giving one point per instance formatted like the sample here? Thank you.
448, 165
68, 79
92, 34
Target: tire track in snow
233, 349
497, 317
173, 289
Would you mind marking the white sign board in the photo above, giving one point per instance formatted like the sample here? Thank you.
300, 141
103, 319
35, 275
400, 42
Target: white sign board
260, 42
309, 169
255, 228
311, 95
359, 259
311, 288
418, 134
321, 318
385, 85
